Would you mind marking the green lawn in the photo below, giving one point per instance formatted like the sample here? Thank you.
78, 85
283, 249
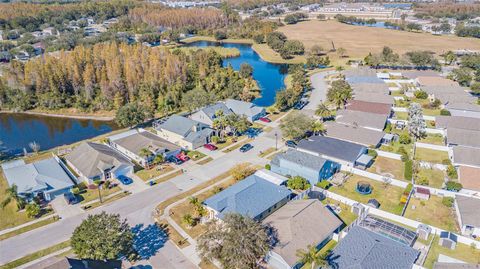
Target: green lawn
266, 152
435, 177
205, 161
436, 139
195, 155
35, 255
147, 174
29, 227
432, 212
430, 155
388, 196
461, 252
107, 200
87, 195
401, 115
383, 166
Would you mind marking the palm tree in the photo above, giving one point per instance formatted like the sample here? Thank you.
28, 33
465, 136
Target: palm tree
318, 128
11, 194
159, 159
322, 111
188, 220
145, 153
310, 256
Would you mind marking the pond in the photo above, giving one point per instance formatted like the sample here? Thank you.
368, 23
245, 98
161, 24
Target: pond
270, 77
378, 24
17, 130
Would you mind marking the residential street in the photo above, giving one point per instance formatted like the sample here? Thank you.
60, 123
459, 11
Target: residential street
137, 208
319, 92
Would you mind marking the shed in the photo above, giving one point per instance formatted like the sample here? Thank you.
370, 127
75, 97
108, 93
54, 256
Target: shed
388, 138
448, 240
422, 193
373, 203
358, 209
424, 231
364, 161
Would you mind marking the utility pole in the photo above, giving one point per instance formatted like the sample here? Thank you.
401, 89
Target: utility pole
276, 141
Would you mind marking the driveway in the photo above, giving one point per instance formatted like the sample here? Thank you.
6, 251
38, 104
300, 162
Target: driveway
65, 210
319, 92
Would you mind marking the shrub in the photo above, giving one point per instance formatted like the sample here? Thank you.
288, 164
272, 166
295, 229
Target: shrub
298, 183
405, 139
422, 203
448, 201
324, 184
259, 39
422, 181
76, 190
452, 172
453, 186
373, 153
268, 166
215, 139
403, 199
241, 171
408, 189
446, 162
388, 128
32, 209
421, 94
219, 35
445, 112
401, 150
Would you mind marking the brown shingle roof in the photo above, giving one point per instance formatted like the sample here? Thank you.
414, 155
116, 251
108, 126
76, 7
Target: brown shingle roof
362, 119
469, 177
432, 81
375, 97
358, 135
370, 107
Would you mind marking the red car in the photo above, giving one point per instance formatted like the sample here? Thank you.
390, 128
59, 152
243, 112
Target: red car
265, 119
182, 156
210, 147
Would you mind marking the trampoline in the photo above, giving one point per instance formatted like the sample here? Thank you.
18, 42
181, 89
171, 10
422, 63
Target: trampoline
364, 188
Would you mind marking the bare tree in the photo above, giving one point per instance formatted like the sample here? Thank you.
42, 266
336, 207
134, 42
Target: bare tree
34, 146
386, 181
416, 123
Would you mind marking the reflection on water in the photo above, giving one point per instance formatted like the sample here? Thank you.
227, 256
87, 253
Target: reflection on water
270, 77
17, 130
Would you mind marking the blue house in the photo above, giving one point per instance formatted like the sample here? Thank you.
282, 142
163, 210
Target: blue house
297, 163
254, 196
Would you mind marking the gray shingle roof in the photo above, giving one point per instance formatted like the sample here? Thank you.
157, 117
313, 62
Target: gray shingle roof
468, 210
466, 155
374, 97
251, 196
211, 109
357, 80
181, 125
136, 141
463, 137
413, 74
89, 158
301, 158
363, 136
243, 108
301, 223
332, 147
365, 87
464, 106
362, 248
445, 265
44, 175
457, 122
360, 72
362, 119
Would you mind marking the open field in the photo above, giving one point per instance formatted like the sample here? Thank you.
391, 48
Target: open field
432, 212
359, 41
385, 166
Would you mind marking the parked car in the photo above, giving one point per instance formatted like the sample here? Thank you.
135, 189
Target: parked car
182, 156
246, 148
265, 119
175, 160
300, 105
210, 147
252, 132
290, 144
70, 198
125, 180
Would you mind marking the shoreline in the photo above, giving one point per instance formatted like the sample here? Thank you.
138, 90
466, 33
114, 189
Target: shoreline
57, 115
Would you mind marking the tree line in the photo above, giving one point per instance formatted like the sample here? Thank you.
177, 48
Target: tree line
107, 76
447, 10
389, 58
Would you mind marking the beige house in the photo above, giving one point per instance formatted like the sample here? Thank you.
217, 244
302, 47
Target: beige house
184, 132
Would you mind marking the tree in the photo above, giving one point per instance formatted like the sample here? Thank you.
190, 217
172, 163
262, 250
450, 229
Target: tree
416, 123
405, 139
453, 186
103, 236
246, 70
475, 88
188, 220
34, 146
341, 52
449, 57
318, 128
298, 183
259, 39
422, 58
316, 50
294, 47
421, 94
144, 152
32, 209
322, 111
236, 242
310, 256
463, 76
11, 194
220, 35
339, 93
130, 115
158, 159
295, 125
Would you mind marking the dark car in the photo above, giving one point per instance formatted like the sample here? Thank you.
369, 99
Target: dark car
175, 160
290, 144
300, 105
125, 180
246, 148
70, 198
210, 147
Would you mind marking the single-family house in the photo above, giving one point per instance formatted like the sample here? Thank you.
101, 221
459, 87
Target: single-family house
422, 193
359, 80
187, 133
365, 249
247, 109
469, 177
47, 178
367, 120
466, 156
370, 88
466, 123
462, 137
375, 97
50, 31
297, 225
360, 72
466, 209
70, 263
359, 135
434, 81
133, 143
253, 196
208, 114
93, 161
336, 150
464, 110
298, 163
370, 107
414, 74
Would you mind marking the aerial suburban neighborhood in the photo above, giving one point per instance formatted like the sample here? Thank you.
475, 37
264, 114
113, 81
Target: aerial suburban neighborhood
240, 134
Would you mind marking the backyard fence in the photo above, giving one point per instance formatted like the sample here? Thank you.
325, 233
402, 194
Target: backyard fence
431, 146
390, 155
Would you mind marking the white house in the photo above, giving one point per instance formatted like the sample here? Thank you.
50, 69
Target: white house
184, 132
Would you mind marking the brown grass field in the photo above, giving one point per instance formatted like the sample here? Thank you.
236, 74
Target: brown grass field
360, 40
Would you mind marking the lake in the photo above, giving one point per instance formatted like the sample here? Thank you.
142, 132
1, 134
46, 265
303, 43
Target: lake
378, 24
17, 130
270, 77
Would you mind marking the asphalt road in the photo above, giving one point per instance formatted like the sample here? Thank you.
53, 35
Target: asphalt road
319, 92
136, 208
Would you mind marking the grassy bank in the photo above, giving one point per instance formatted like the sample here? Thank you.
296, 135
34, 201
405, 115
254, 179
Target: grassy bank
36, 255
29, 227
269, 55
223, 52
